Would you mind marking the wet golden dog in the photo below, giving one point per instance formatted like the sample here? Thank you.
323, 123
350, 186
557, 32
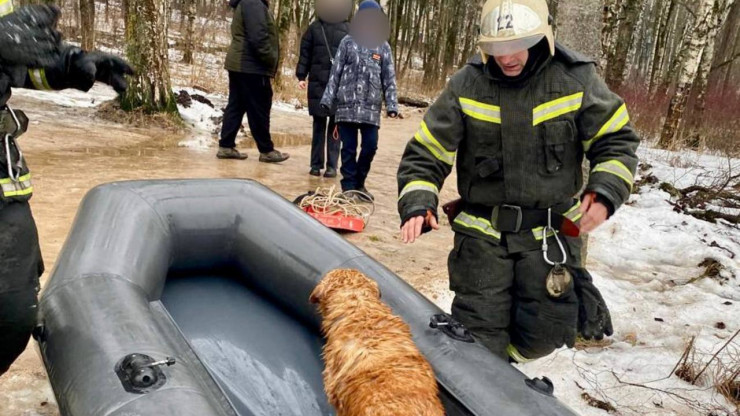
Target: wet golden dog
373, 367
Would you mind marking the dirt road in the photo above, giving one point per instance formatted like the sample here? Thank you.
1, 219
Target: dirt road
70, 150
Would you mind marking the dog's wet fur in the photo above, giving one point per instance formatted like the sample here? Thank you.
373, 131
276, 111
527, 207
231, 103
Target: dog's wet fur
373, 368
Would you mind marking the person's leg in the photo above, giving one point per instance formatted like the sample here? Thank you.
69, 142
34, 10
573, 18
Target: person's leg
317, 143
20, 268
367, 154
234, 113
258, 99
481, 276
348, 134
540, 322
333, 146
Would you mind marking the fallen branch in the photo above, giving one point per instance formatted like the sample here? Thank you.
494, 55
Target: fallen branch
413, 102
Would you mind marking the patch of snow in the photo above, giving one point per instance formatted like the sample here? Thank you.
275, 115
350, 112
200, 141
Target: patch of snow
97, 95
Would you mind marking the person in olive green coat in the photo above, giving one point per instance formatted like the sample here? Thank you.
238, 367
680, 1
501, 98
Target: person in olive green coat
518, 120
252, 61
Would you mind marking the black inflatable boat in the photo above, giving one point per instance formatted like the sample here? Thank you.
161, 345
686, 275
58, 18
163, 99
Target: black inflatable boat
191, 298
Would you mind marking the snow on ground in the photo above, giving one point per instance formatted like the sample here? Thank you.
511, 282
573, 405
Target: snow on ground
204, 121
99, 94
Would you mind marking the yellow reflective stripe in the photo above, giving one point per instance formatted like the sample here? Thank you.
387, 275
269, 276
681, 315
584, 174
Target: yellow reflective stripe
481, 111
557, 108
574, 214
419, 186
516, 355
480, 224
38, 78
21, 192
20, 188
425, 137
537, 232
6, 7
617, 168
24, 178
620, 119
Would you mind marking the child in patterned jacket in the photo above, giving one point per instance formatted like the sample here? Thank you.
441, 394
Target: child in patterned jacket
361, 77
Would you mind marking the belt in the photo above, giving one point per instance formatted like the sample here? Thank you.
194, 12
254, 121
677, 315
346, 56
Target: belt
513, 218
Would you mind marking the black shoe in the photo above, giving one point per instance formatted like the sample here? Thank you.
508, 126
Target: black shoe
330, 173
230, 153
315, 172
365, 195
274, 157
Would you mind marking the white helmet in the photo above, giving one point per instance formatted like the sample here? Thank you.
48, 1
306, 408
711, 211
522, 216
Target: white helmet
511, 26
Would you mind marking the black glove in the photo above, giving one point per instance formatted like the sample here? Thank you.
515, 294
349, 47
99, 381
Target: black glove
110, 69
594, 320
28, 37
82, 69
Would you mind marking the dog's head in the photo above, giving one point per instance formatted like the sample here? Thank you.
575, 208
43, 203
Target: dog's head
344, 281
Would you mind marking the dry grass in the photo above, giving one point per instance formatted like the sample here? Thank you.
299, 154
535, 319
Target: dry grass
721, 371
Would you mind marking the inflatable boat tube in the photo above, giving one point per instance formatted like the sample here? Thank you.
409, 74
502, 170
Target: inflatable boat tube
190, 297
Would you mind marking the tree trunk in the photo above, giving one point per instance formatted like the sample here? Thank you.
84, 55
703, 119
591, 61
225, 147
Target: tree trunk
617, 60
146, 49
719, 14
609, 23
283, 21
87, 24
661, 38
187, 56
696, 44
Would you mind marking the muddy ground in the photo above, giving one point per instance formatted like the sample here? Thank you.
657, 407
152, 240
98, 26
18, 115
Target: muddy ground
70, 150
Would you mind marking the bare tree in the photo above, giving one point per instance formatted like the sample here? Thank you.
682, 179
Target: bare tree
695, 47
190, 11
146, 49
87, 23
617, 56
720, 11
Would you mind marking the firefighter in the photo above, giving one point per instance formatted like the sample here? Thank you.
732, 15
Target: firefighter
31, 56
518, 120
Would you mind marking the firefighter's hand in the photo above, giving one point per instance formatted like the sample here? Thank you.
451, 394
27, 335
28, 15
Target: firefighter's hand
28, 37
411, 230
84, 68
594, 213
110, 69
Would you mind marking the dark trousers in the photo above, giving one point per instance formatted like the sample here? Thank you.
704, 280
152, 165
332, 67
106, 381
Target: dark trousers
323, 135
355, 169
250, 94
20, 268
501, 297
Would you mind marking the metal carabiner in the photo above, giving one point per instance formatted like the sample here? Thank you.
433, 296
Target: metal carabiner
549, 228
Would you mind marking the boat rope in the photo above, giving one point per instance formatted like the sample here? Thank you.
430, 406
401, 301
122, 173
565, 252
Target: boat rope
330, 201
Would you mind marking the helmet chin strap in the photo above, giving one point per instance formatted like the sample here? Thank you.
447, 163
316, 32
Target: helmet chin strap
484, 56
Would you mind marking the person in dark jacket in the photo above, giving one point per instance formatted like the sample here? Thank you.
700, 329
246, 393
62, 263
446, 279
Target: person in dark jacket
319, 45
31, 56
362, 75
252, 61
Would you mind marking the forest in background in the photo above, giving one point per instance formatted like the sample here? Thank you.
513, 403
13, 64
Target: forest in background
676, 62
